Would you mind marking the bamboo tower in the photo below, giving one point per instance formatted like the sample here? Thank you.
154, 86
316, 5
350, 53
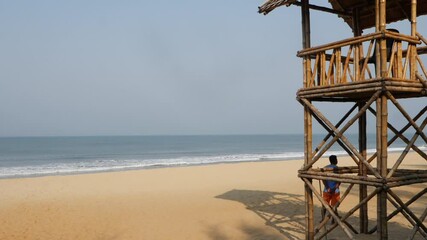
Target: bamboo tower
341, 71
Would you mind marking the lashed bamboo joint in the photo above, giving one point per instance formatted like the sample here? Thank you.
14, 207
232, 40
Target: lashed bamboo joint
373, 71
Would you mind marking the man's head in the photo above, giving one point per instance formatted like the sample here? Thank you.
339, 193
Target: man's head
333, 160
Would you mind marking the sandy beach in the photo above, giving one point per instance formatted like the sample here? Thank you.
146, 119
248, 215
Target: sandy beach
252, 200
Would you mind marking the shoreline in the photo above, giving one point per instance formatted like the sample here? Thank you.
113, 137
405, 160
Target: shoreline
249, 200
158, 166
171, 165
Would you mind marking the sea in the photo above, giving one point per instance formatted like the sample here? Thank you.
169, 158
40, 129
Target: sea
41, 156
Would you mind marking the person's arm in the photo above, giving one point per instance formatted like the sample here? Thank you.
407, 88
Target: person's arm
337, 188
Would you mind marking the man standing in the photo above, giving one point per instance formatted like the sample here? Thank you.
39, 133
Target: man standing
331, 193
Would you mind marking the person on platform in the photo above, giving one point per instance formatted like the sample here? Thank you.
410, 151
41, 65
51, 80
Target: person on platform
331, 192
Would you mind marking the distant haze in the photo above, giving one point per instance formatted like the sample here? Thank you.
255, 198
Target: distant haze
152, 67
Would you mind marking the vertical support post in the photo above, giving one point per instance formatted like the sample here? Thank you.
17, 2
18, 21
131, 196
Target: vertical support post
363, 189
399, 68
413, 18
357, 47
412, 62
377, 43
308, 142
383, 167
338, 66
382, 233
382, 195
383, 41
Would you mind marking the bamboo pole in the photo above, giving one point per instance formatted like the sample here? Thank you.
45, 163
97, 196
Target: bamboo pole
367, 181
422, 67
326, 218
338, 44
422, 81
399, 60
376, 80
400, 133
413, 65
407, 182
412, 62
391, 66
354, 209
363, 86
413, 18
330, 75
384, 135
329, 209
422, 38
346, 64
363, 190
358, 40
396, 205
356, 67
322, 69
409, 212
406, 150
338, 141
412, 171
381, 197
407, 176
344, 196
350, 169
407, 60
401, 37
420, 51
323, 9
404, 139
382, 201
305, 13
399, 209
357, 32
314, 73
366, 59
403, 83
406, 90
356, 94
343, 88
406, 115
337, 126
341, 176
339, 134
416, 227
409, 202
338, 66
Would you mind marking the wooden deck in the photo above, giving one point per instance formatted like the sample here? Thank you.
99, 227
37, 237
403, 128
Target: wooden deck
363, 90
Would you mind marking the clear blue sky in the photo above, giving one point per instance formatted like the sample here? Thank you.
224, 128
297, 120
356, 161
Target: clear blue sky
152, 67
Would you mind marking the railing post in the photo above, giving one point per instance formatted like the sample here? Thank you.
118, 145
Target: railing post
338, 66
413, 53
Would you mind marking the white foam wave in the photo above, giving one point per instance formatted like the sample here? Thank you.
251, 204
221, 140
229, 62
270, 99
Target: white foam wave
117, 165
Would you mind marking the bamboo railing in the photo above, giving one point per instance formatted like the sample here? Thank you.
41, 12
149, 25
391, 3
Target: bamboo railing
351, 60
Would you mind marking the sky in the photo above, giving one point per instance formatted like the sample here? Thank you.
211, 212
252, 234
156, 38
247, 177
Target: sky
72, 68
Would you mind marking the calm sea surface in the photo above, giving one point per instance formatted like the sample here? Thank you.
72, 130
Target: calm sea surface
35, 156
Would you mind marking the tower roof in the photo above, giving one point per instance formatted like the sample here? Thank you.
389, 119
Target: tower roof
396, 9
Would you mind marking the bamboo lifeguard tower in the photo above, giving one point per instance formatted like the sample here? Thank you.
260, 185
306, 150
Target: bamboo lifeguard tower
342, 72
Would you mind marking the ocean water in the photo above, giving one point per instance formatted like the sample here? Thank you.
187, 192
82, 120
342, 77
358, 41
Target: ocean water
39, 156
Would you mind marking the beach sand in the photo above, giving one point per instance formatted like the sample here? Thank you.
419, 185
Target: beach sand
253, 200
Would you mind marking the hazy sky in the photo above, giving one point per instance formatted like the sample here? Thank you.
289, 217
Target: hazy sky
152, 67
